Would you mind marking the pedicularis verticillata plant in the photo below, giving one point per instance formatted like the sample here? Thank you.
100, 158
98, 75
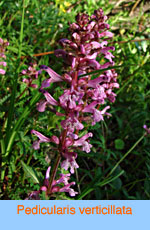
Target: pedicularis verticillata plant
83, 100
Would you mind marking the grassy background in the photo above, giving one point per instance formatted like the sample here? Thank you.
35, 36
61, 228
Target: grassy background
113, 169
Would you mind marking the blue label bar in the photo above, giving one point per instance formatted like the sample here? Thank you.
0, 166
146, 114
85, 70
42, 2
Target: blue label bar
74, 215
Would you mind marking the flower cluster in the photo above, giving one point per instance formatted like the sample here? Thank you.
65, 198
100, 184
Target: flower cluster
84, 100
55, 186
33, 75
3, 46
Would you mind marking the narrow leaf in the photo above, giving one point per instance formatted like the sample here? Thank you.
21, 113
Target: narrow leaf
30, 173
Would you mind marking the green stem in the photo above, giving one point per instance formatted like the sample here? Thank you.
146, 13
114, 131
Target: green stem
125, 155
21, 31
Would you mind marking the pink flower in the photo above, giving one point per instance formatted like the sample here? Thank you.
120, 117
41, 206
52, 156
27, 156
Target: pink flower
35, 195
70, 162
54, 77
146, 129
85, 144
42, 138
67, 188
3, 63
50, 99
41, 106
72, 123
2, 71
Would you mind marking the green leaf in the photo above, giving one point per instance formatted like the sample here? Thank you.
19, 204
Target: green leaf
117, 184
30, 172
119, 144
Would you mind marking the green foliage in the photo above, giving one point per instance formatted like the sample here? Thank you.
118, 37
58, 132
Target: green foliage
119, 144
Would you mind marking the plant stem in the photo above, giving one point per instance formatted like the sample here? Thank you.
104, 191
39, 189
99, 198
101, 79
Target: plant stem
17, 99
52, 177
21, 31
126, 154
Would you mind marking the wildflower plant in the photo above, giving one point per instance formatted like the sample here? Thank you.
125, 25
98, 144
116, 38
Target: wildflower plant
84, 99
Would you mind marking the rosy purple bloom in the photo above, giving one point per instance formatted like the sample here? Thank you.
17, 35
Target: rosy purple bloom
42, 138
84, 143
54, 77
83, 98
70, 161
49, 98
32, 74
2, 71
35, 195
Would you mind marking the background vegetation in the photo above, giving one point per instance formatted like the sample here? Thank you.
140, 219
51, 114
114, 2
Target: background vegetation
118, 167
